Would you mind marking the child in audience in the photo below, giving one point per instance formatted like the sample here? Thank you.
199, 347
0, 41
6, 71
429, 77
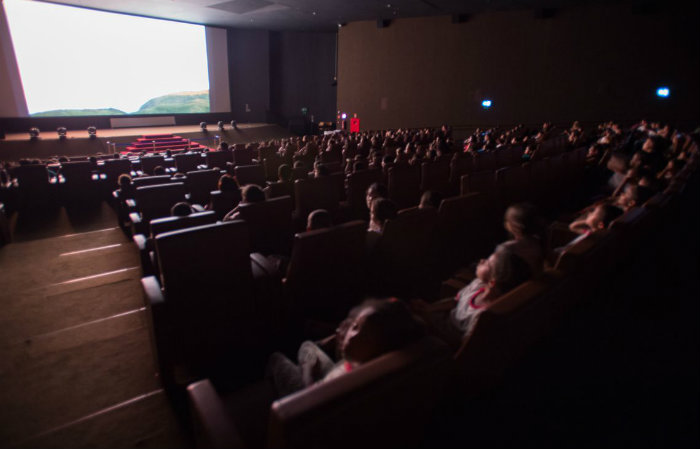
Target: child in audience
633, 195
159, 171
372, 329
599, 218
431, 199
319, 219
375, 190
381, 210
452, 319
524, 223
181, 209
250, 193
126, 187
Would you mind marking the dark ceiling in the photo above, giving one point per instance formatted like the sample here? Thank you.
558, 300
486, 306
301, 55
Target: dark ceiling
313, 14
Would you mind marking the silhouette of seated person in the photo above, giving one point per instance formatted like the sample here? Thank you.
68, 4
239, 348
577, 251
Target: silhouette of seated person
250, 193
371, 329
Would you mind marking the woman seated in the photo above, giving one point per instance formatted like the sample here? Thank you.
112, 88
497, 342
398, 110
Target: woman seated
523, 222
451, 319
371, 329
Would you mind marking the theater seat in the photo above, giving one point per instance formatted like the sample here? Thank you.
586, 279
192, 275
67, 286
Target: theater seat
34, 188
200, 184
404, 186
187, 162
316, 193
325, 276
148, 163
79, 183
145, 243
357, 184
436, 176
217, 159
250, 174
113, 168
223, 202
205, 317
403, 260
386, 402
269, 225
152, 202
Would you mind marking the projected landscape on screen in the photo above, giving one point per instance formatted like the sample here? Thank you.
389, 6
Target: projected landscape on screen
75, 61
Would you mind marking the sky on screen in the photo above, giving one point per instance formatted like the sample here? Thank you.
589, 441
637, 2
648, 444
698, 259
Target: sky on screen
75, 58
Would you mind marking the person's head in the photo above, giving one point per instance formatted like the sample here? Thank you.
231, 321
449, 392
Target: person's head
320, 170
284, 173
375, 190
376, 327
159, 170
319, 219
523, 220
252, 193
359, 165
124, 180
633, 195
181, 209
431, 199
227, 184
381, 210
223, 146
299, 164
503, 270
602, 215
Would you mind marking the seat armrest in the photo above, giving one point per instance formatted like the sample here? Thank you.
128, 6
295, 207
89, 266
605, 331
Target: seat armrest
264, 264
131, 203
138, 226
213, 426
152, 292
141, 242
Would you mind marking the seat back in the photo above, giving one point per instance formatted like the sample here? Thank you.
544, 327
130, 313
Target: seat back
388, 401
200, 184
509, 156
151, 181
513, 184
207, 280
505, 331
299, 173
326, 271
358, 182
148, 163
167, 224
156, 201
316, 193
242, 156
113, 168
278, 189
78, 174
187, 162
223, 202
404, 186
271, 164
217, 159
33, 184
482, 181
459, 166
250, 174
403, 256
486, 160
269, 225
464, 230
436, 176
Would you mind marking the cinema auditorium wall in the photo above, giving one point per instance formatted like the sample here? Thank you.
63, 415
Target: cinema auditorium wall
587, 63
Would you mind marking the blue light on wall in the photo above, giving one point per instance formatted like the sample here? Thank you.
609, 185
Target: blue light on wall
663, 92
486, 104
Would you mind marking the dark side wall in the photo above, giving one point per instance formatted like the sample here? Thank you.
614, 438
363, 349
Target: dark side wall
586, 63
278, 73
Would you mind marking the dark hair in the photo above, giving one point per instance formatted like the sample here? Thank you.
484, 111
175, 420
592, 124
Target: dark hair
384, 209
379, 190
321, 170
392, 324
227, 184
299, 164
526, 218
159, 170
284, 173
431, 198
509, 270
319, 219
252, 193
181, 209
359, 165
124, 180
610, 213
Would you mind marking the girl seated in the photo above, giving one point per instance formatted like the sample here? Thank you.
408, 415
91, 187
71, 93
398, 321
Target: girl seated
371, 329
452, 319
524, 223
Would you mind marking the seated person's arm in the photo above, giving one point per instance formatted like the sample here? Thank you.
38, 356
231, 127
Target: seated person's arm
579, 226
